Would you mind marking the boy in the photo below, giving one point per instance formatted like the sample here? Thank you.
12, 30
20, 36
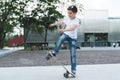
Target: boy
68, 34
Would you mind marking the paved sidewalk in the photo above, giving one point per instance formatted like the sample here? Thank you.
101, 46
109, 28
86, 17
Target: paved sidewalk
6, 51
85, 56
100, 48
84, 72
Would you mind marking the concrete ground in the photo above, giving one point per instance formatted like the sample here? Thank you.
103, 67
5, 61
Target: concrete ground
92, 64
84, 57
84, 72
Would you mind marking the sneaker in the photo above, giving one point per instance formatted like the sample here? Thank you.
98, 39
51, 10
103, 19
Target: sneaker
49, 55
74, 73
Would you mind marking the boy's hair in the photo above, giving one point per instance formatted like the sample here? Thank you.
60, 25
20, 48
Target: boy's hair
73, 8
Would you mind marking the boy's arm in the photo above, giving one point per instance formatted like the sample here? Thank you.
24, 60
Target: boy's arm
69, 29
57, 23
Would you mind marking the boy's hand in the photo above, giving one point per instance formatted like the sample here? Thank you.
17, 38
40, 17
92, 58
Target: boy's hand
61, 30
51, 25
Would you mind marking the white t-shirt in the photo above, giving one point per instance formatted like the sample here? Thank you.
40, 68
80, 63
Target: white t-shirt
69, 23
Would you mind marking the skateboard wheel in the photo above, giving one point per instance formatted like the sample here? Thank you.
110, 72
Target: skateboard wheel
66, 75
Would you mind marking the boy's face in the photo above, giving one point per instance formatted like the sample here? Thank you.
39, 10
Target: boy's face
71, 14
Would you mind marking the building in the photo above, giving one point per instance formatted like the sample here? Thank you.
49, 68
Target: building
95, 28
98, 29
15, 42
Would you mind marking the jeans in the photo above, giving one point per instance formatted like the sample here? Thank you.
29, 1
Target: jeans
72, 47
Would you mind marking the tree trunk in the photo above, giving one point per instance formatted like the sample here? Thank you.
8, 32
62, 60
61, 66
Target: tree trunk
46, 31
26, 31
2, 37
1, 43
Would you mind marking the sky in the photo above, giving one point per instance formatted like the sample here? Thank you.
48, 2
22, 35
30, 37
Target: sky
113, 6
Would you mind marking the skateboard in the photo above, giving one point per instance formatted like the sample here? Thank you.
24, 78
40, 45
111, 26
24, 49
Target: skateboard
68, 74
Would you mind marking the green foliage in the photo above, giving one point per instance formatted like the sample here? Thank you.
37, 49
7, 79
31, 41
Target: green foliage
40, 17
10, 12
48, 14
73, 0
7, 18
15, 12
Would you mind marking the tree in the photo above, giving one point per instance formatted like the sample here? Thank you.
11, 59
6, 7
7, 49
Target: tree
7, 18
48, 14
11, 15
28, 18
39, 18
